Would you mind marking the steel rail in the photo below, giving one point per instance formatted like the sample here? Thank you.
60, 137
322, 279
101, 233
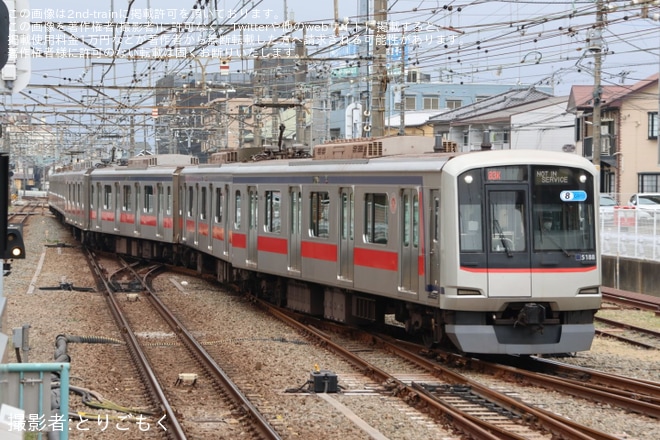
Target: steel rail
176, 429
260, 423
466, 423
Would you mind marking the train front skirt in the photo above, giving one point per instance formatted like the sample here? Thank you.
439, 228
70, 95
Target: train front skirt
566, 338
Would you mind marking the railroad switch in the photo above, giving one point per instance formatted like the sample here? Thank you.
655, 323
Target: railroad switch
186, 379
323, 381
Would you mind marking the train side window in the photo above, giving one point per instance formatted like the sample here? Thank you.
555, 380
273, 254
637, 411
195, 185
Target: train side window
320, 214
127, 199
202, 204
168, 201
375, 218
272, 212
190, 201
508, 226
410, 219
148, 199
237, 210
160, 197
91, 197
470, 212
406, 219
181, 205
107, 197
70, 196
218, 205
137, 197
347, 217
415, 215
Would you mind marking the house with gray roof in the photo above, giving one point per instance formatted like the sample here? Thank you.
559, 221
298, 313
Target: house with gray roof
521, 118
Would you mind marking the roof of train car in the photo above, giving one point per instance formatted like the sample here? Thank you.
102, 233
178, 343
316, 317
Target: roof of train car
423, 162
518, 157
116, 170
152, 170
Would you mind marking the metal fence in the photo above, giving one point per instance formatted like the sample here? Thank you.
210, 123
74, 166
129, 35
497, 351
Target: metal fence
630, 233
25, 395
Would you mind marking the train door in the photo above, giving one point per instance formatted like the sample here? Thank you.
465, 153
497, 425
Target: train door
222, 210
99, 206
195, 212
253, 222
295, 228
159, 211
409, 245
118, 205
206, 215
508, 252
433, 273
138, 210
346, 229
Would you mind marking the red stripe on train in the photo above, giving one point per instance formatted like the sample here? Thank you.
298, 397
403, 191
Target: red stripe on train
148, 220
218, 233
127, 217
318, 251
238, 240
107, 216
190, 226
273, 244
530, 270
376, 259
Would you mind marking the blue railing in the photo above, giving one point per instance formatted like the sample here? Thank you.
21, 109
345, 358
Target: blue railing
27, 387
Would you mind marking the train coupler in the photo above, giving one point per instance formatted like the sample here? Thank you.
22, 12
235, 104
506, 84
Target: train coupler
531, 314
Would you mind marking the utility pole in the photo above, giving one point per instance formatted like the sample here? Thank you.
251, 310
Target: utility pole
402, 108
379, 79
301, 77
259, 94
597, 49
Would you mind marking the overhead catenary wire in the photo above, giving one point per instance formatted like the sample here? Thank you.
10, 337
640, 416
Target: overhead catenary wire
482, 54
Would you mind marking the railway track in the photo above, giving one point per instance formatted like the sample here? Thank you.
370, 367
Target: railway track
21, 213
631, 299
630, 394
191, 390
475, 410
630, 334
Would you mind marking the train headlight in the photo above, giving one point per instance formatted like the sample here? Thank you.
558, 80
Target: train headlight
468, 179
468, 292
589, 291
583, 178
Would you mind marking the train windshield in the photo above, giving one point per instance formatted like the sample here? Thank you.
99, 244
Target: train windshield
519, 211
562, 210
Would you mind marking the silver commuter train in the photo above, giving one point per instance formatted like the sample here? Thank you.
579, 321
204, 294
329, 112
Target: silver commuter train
494, 251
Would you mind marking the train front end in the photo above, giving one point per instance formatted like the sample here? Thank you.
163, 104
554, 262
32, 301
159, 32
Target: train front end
523, 274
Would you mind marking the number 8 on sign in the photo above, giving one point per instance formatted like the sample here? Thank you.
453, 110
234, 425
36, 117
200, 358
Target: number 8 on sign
573, 196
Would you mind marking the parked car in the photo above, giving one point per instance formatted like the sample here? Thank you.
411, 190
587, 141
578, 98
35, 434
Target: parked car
645, 201
608, 205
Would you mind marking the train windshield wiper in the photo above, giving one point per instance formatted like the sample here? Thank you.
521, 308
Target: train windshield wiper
503, 239
555, 242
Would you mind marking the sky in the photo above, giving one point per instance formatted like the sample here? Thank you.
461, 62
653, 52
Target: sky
506, 42
525, 41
